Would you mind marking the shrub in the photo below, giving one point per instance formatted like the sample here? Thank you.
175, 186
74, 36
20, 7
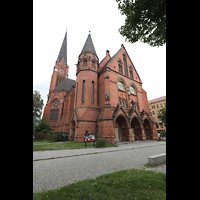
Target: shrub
56, 136
163, 133
101, 142
42, 128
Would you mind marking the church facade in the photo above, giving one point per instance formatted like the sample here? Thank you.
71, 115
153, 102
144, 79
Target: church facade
107, 98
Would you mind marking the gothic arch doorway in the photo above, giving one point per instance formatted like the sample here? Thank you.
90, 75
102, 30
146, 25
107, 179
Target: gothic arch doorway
121, 129
147, 130
136, 129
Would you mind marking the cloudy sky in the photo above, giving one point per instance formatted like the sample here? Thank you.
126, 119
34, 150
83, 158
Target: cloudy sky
51, 18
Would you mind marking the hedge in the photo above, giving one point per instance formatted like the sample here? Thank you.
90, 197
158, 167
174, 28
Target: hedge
163, 133
56, 136
101, 142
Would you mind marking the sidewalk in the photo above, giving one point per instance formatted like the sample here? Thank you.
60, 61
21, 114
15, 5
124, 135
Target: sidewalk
52, 154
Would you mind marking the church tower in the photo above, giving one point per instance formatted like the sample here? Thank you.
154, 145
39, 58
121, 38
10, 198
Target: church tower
60, 70
86, 92
87, 76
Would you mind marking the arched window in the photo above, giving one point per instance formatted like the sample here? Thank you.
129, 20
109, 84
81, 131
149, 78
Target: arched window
125, 65
121, 83
54, 114
55, 103
76, 93
93, 63
132, 88
92, 93
131, 72
120, 67
54, 109
84, 63
83, 92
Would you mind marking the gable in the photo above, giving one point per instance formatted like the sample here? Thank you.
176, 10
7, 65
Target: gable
130, 64
55, 96
104, 61
120, 55
119, 110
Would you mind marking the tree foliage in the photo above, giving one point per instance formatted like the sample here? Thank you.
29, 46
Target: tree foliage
42, 127
145, 21
37, 107
162, 115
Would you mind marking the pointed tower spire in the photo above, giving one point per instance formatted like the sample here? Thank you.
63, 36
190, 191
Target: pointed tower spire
63, 51
88, 46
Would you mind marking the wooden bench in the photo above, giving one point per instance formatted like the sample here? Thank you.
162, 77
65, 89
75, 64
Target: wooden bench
157, 159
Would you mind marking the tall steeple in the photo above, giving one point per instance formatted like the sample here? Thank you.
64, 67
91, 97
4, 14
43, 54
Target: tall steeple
88, 46
60, 70
63, 51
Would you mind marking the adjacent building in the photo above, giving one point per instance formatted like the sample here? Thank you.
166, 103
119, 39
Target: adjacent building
155, 105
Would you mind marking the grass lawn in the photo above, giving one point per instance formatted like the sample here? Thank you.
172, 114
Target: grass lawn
40, 141
42, 145
63, 145
126, 184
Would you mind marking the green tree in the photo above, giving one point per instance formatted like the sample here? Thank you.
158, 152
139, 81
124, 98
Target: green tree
37, 107
145, 21
43, 127
162, 115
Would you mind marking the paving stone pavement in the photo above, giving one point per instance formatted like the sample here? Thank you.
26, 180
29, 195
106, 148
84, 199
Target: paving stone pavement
54, 169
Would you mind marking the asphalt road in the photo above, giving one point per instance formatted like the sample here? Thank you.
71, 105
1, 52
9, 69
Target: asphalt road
54, 169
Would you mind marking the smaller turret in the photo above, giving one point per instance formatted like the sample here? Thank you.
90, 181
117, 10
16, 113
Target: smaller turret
87, 76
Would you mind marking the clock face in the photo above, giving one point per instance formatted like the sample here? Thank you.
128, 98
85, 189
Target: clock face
120, 85
61, 71
132, 90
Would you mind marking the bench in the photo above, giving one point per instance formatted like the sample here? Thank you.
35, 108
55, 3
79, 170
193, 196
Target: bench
157, 159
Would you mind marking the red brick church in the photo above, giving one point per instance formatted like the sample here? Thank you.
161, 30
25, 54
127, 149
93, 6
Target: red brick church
107, 98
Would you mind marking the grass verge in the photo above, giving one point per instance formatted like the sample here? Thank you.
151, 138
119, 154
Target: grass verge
63, 145
154, 165
126, 184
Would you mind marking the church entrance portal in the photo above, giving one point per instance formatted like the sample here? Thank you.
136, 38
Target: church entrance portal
121, 129
148, 130
136, 129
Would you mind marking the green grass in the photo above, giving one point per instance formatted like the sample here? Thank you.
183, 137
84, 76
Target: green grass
63, 145
41, 145
126, 184
154, 165
40, 141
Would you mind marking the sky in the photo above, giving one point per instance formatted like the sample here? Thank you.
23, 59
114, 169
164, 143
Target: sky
51, 19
